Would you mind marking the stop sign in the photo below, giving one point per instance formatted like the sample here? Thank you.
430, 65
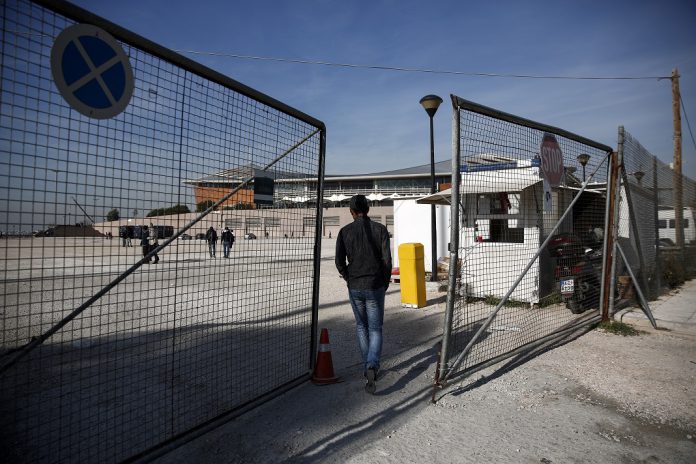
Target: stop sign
551, 160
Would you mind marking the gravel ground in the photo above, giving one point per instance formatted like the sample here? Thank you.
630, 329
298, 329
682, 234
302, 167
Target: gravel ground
595, 399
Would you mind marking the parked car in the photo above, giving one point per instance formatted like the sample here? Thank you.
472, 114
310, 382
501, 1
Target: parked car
249, 236
200, 236
185, 237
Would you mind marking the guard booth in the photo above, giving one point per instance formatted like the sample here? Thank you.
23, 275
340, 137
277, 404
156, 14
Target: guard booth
503, 222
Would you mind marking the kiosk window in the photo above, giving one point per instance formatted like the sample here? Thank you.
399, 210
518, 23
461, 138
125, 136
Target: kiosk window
500, 232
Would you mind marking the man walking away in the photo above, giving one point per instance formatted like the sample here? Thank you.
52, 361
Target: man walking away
211, 237
363, 258
227, 241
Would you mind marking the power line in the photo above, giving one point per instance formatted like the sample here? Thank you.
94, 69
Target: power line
687, 120
417, 70
398, 68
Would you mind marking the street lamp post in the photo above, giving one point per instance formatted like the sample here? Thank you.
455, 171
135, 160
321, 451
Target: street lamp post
583, 159
431, 103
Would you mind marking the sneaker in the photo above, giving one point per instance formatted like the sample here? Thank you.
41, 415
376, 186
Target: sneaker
371, 386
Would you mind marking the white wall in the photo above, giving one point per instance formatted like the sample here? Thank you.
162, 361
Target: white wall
412, 225
490, 268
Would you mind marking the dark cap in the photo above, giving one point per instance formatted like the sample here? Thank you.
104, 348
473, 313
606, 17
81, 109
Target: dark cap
358, 203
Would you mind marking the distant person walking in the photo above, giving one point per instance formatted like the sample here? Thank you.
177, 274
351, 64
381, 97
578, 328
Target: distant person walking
125, 238
227, 237
148, 241
211, 237
154, 243
144, 244
363, 258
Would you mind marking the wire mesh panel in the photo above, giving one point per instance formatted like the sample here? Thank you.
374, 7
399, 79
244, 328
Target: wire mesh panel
529, 236
638, 214
124, 322
646, 228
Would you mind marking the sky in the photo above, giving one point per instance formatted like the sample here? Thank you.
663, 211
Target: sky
373, 117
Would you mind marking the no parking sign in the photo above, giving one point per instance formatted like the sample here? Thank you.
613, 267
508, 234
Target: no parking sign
91, 71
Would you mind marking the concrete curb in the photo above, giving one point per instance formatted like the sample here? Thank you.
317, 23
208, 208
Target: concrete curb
636, 316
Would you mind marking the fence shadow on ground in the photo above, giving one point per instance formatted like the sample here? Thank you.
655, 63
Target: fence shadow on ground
516, 361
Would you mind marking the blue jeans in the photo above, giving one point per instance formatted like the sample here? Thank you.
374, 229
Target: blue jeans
211, 249
368, 308
226, 249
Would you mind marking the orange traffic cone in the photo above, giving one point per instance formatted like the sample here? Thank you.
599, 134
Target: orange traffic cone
323, 369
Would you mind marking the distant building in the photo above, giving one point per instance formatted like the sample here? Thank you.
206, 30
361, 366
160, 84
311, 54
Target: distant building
293, 189
296, 191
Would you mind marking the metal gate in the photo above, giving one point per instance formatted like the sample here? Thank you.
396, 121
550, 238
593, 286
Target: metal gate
116, 343
528, 242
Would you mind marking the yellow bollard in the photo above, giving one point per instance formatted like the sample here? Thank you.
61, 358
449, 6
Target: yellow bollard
412, 275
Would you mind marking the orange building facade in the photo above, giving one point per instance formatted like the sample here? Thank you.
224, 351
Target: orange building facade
214, 194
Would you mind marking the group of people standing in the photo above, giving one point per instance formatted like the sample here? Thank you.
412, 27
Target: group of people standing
149, 241
227, 237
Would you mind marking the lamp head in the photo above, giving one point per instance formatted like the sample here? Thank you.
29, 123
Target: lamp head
430, 103
583, 158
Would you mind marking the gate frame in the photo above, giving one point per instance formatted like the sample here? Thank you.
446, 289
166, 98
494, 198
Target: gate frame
618, 177
80, 15
445, 369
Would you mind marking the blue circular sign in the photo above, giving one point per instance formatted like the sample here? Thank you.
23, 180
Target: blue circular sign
91, 71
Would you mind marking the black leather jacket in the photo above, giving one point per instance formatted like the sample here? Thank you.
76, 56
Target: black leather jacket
355, 257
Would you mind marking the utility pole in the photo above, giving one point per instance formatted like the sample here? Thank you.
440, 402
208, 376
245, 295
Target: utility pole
678, 200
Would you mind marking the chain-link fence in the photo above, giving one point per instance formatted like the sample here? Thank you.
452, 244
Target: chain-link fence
124, 326
647, 223
528, 235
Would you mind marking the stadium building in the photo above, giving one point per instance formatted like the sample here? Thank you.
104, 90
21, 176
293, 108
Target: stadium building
294, 191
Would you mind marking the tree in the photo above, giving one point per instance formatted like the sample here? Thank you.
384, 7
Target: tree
113, 215
176, 209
